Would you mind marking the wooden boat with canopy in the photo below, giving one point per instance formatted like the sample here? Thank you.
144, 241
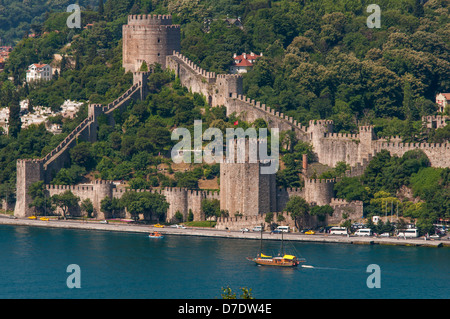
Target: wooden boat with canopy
284, 260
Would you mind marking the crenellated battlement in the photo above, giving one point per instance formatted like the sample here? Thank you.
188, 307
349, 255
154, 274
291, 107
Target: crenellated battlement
320, 181
398, 145
342, 135
320, 122
194, 67
368, 128
149, 19
269, 111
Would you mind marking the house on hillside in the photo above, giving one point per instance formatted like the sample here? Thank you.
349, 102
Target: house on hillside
38, 72
442, 100
244, 62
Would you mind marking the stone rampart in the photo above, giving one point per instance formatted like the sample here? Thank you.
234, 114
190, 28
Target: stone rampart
344, 210
31, 171
438, 154
179, 199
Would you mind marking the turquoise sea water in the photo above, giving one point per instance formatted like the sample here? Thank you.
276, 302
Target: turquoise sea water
34, 264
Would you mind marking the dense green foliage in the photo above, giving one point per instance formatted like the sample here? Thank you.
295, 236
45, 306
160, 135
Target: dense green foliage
381, 188
320, 61
18, 19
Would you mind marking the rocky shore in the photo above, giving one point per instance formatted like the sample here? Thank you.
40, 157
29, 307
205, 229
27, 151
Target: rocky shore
205, 232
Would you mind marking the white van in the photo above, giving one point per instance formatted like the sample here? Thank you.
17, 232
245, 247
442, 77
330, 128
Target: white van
257, 228
409, 233
338, 231
364, 232
284, 229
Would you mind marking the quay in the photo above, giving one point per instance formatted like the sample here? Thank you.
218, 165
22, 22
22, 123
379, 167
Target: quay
211, 232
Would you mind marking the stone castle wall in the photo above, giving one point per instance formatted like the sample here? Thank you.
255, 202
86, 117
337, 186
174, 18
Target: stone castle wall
179, 199
31, 171
154, 39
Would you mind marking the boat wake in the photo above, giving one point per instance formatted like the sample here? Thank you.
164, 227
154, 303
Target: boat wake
325, 268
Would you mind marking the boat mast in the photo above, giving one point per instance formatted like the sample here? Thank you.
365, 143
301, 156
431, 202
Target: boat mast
260, 242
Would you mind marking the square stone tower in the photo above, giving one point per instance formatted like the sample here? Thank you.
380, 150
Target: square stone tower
244, 189
149, 38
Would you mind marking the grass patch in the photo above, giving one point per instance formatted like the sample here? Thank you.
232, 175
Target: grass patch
200, 224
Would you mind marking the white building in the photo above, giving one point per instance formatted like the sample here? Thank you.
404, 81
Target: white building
442, 99
37, 72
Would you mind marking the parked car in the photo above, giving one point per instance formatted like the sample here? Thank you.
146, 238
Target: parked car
385, 235
310, 232
158, 226
178, 226
257, 228
243, 230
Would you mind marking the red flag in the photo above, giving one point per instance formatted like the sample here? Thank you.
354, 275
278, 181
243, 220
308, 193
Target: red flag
236, 123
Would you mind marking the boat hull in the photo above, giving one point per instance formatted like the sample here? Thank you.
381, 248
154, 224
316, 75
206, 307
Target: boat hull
275, 262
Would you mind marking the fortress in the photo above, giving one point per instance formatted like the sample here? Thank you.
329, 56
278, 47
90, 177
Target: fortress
154, 39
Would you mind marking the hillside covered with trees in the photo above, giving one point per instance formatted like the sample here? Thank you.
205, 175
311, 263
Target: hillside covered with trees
320, 61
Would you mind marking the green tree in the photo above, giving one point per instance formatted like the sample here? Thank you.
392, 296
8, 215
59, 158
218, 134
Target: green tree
14, 122
41, 203
322, 212
87, 207
101, 9
150, 205
298, 208
66, 201
211, 208
227, 293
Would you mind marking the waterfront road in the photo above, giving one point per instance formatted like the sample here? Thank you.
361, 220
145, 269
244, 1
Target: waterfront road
205, 232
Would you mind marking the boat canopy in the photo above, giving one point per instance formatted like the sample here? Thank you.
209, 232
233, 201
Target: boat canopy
290, 257
264, 256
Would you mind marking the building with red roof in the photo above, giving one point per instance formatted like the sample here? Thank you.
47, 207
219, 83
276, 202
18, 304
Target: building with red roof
244, 62
38, 71
442, 100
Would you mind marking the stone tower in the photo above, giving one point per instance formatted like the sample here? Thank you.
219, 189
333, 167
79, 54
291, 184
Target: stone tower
28, 172
244, 189
149, 38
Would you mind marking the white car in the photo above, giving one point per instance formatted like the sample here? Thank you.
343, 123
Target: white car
178, 226
243, 230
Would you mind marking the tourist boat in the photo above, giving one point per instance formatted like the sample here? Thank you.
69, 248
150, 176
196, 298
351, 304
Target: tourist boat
156, 235
284, 260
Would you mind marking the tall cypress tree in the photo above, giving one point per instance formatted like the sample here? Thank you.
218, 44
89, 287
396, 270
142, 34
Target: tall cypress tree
14, 122
101, 9
418, 9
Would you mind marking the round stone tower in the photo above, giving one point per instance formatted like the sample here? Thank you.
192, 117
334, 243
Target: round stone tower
149, 38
